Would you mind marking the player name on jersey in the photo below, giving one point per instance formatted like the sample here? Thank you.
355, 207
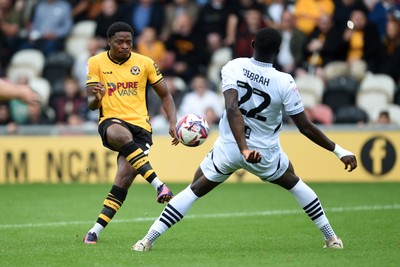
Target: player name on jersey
255, 77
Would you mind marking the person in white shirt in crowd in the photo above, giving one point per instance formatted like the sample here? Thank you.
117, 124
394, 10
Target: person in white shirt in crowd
200, 98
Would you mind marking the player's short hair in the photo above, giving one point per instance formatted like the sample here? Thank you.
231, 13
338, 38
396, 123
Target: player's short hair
268, 41
118, 26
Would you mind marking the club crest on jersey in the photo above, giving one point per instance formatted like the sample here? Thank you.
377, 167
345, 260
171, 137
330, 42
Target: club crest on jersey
135, 70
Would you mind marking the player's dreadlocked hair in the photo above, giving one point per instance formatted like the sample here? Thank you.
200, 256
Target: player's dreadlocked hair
268, 41
118, 27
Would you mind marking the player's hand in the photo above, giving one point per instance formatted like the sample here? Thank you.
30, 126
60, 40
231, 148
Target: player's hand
350, 162
251, 156
99, 90
172, 133
27, 95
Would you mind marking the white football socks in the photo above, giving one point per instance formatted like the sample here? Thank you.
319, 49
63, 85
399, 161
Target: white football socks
309, 201
97, 228
173, 212
156, 183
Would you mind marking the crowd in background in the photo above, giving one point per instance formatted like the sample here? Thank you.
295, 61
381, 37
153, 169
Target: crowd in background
191, 40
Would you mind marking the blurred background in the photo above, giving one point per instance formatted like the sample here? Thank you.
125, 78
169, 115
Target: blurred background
343, 54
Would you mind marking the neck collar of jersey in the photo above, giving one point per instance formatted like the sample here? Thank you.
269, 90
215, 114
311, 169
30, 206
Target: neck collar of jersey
261, 64
118, 62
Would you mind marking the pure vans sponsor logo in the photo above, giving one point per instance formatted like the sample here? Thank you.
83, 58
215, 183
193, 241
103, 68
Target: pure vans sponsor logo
122, 88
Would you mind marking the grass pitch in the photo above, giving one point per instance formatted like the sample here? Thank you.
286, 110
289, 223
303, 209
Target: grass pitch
235, 225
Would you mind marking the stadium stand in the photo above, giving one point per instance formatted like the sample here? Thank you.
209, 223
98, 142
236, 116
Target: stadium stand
58, 66
32, 59
340, 91
343, 86
351, 115
311, 89
376, 92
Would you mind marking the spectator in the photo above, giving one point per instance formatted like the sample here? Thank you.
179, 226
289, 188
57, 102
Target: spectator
75, 119
390, 64
307, 13
343, 8
291, 50
362, 41
186, 49
322, 46
5, 118
174, 10
52, 22
246, 32
236, 18
142, 14
79, 66
383, 118
274, 12
212, 19
380, 13
108, 15
200, 99
70, 102
85, 9
36, 114
149, 45
11, 23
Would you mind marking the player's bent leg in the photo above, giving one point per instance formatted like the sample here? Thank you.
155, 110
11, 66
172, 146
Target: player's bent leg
175, 210
201, 185
288, 180
308, 200
126, 174
164, 194
121, 139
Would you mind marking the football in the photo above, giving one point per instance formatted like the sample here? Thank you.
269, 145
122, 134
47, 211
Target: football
192, 130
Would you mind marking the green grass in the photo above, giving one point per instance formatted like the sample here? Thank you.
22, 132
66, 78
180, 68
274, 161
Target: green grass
235, 225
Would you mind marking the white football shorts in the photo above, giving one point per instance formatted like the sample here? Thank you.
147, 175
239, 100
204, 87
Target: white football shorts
225, 158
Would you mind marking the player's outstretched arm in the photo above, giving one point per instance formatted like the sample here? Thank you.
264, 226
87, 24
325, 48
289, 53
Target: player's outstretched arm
313, 133
23, 93
235, 119
95, 94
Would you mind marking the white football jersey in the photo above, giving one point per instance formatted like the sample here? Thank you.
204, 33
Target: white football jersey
263, 92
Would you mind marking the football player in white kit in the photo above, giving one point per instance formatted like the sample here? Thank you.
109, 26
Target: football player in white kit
255, 94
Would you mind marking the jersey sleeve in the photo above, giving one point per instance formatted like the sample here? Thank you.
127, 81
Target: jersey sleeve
155, 76
92, 72
228, 77
291, 99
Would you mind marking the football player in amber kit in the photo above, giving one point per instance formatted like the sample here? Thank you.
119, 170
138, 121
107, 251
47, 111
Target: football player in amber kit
117, 85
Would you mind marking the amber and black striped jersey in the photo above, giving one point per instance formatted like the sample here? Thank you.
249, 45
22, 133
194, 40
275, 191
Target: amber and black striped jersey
125, 83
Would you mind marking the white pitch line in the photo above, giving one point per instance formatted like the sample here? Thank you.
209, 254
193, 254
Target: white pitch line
204, 216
